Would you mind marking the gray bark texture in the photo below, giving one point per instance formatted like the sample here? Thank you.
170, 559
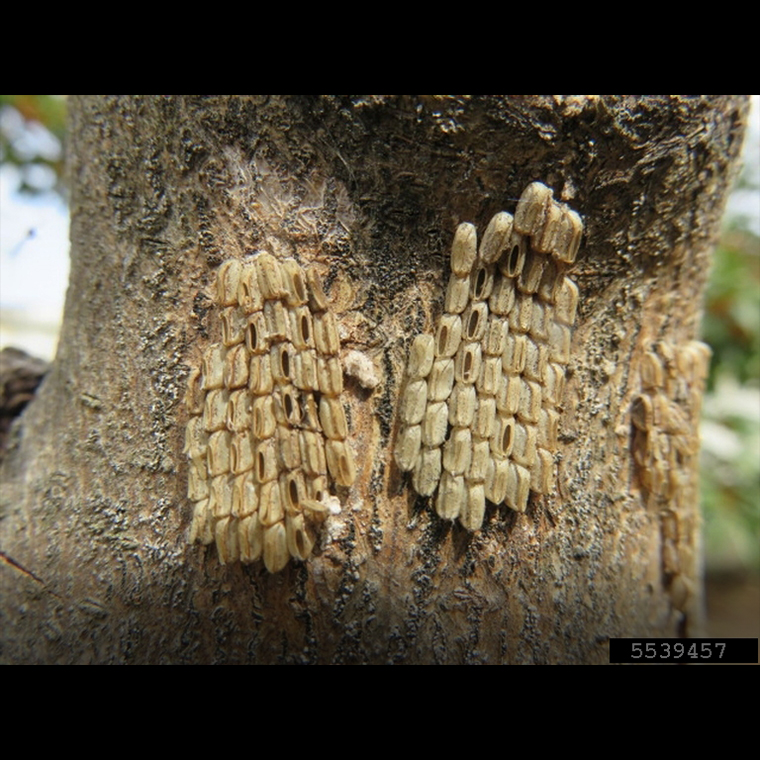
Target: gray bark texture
94, 515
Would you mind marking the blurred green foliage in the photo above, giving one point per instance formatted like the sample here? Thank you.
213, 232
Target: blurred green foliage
32, 131
731, 415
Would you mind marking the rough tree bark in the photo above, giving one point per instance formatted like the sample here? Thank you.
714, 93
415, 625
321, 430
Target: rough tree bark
94, 514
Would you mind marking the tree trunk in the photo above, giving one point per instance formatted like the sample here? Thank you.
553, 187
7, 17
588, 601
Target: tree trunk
369, 191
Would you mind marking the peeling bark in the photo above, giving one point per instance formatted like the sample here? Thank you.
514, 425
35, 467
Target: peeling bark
369, 190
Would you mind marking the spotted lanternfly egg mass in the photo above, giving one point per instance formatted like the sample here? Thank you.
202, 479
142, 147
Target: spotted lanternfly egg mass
479, 411
266, 418
665, 442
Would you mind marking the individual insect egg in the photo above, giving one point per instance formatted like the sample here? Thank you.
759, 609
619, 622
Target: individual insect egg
670, 561
256, 339
502, 439
540, 320
305, 375
414, 402
249, 294
292, 491
496, 237
544, 239
651, 371
461, 405
448, 336
451, 495
530, 401
233, 326
407, 449
215, 410
554, 383
241, 453
260, 380
269, 274
236, 367
194, 396
226, 536
239, 411
467, 363
212, 367
481, 455
441, 380
551, 281
245, 500
317, 489
542, 472
531, 208
669, 525
281, 360
513, 260
264, 422
502, 298
464, 249
548, 429
326, 333
642, 413
569, 236
559, 343
276, 320
251, 537
481, 282
522, 313
312, 452
435, 424
288, 448
457, 294
524, 445
496, 336
457, 451
529, 278
276, 553
490, 378
314, 510
566, 303
227, 280
668, 353
495, 485
271, 509
295, 283
515, 354
508, 395
301, 327
474, 507
475, 322
196, 438
287, 407
421, 357
220, 496
333, 418
702, 356
202, 527
218, 453
197, 483
340, 462
299, 536
518, 488
536, 359
427, 471
265, 458
309, 412
485, 415
317, 298
330, 376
